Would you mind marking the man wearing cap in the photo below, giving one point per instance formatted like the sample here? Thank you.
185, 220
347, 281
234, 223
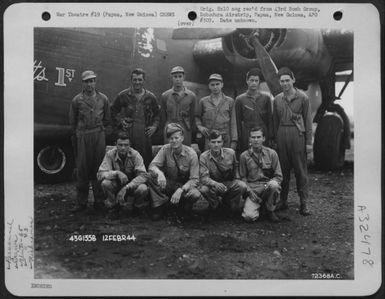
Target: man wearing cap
123, 177
293, 131
259, 167
176, 171
217, 112
135, 111
253, 108
220, 177
178, 105
88, 116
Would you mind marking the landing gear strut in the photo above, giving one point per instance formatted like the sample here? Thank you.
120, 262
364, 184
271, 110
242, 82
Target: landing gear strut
331, 139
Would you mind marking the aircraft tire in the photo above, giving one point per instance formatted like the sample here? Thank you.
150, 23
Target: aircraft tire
54, 163
329, 150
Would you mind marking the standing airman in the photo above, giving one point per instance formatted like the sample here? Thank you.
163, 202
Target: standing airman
253, 108
136, 112
89, 115
217, 112
178, 105
293, 127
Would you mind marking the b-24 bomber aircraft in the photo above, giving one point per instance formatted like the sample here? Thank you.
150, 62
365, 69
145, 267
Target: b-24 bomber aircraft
317, 57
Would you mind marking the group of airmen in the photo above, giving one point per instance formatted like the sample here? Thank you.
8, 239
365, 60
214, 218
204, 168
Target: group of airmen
238, 173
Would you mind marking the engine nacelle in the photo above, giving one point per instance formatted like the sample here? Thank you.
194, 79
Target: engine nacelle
303, 50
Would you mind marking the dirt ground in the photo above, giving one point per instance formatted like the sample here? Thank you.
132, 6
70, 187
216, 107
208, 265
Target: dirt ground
215, 248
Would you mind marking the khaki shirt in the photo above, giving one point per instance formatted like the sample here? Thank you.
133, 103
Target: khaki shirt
132, 166
179, 109
299, 105
187, 160
254, 111
89, 112
220, 169
267, 169
220, 117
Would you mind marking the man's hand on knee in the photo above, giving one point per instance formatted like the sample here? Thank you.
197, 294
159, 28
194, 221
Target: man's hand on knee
123, 179
175, 198
121, 195
272, 184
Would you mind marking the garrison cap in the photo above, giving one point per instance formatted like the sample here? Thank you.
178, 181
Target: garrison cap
215, 77
88, 75
177, 69
285, 71
172, 128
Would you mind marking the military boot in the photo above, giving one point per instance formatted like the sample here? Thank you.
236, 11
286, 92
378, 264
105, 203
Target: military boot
273, 217
304, 210
282, 205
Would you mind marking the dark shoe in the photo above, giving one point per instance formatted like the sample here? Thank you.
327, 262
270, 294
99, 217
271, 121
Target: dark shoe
304, 211
273, 217
78, 208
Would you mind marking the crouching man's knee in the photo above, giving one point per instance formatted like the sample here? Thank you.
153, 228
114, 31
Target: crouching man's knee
141, 191
108, 185
242, 186
274, 186
193, 195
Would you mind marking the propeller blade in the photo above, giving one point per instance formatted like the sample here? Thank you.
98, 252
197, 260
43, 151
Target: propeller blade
201, 33
268, 68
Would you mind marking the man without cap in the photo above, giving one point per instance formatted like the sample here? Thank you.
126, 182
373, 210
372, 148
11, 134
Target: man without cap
123, 177
293, 131
217, 112
259, 167
253, 108
176, 169
88, 116
135, 111
219, 176
178, 105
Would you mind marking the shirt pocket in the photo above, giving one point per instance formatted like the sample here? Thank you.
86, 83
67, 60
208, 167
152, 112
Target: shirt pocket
129, 171
129, 110
248, 112
170, 108
208, 114
185, 108
85, 113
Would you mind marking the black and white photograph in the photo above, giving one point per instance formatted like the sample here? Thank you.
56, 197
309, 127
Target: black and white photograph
206, 153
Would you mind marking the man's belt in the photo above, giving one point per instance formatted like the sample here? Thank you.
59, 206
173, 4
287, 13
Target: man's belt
89, 131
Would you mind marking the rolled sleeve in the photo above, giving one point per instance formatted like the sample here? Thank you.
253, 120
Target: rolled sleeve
106, 169
205, 172
140, 172
277, 168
